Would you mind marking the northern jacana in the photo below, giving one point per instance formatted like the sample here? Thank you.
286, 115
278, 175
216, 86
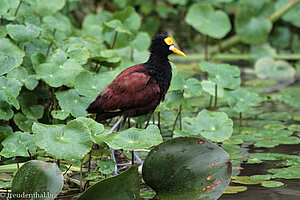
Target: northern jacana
139, 89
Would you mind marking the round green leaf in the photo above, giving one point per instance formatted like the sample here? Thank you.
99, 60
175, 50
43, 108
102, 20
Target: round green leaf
252, 21
209, 87
23, 33
117, 26
192, 87
70, 142
9, 90
141, 42
187, 168
240, 100
97, 130
292, 15
129, 18
134, 139
39, 178
215, 126
57, 75
207, 21
45, 7
177, 82
60, 114
18, 144
281, 37
106, 166
10, 56
21, 75
4, 6
29, 105
294, 127
71, 102
267, 68
23, 122
224, 75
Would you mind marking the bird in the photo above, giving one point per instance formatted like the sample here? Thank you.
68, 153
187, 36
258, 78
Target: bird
139, 89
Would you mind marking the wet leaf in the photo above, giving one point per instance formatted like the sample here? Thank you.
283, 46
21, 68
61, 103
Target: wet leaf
209, 87
215, 126
177, 82
117, 26
207, 21
129, 18
23, 122
10, 56
60, 114
294, 127
38, 177
199, 158
192, 87
235, 189
292, 172
97, 130
276, 116
246, 180
252, 21
224, 75
70, 142
21, 74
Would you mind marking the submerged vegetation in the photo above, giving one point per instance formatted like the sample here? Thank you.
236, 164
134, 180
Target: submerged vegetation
238, 89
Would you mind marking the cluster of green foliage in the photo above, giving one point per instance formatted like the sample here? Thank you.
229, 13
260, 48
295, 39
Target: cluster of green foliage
54, 62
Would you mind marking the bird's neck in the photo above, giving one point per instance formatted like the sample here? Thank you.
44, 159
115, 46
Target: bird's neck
160, 68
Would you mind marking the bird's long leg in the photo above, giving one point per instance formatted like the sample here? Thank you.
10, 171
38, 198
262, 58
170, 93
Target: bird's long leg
112, 155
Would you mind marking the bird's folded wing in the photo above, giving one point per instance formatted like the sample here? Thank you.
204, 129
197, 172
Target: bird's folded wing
132, 90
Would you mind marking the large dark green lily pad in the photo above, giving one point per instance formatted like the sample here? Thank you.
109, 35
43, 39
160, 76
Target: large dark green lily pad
124, 186
187, 168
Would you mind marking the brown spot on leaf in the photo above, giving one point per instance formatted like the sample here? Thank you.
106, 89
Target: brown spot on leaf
209, 178
213, 188
201, 142
203, 189
218, 181
164, 150
173, 176
212, 164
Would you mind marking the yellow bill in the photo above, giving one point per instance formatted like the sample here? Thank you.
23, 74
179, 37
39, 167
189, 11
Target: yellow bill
177, 51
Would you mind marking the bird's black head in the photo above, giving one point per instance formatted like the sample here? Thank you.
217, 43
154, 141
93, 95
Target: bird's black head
163, 45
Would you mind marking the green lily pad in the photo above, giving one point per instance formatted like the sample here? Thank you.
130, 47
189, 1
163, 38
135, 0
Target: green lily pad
267, 68
106, 166
246, 180
224, 75
90, 85
271, 184
23, 122
70, 142
71, 102
235, 189
23, 33
215, 126
187, 168
192, 88
57, 75
292, 15
18, 144
9, 91
4, 6
141, 42
172, 100
124, 186
209, 87
134, 139
60, 114
281, 36
260, 51
10, 56
278, 126
29, 105
58, 22
21, 74
45, 7
38, 178
207, 21
129, 18
177, 82
117, 26
240, 100
97, 130
276, 116
292, 172
294, 127
252, 21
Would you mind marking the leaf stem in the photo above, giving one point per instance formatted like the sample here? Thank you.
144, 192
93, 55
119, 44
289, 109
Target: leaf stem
180, 117
278, 14
158, 119
17, 10
80, 184
241, 119
115, 39
216, 97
